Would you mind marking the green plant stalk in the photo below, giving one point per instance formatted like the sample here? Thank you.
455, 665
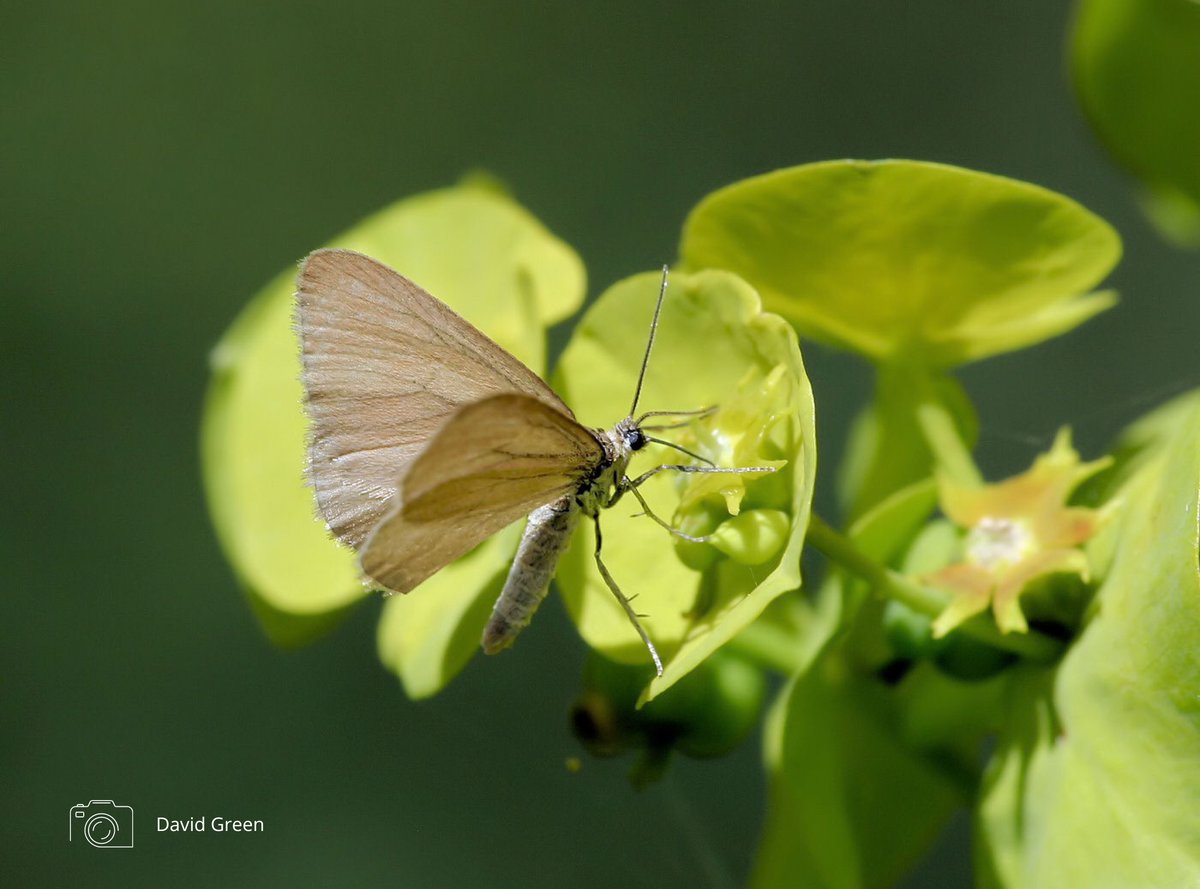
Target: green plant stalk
893, 585
951, 452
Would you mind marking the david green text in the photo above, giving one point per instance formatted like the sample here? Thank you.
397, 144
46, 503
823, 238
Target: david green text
216, 825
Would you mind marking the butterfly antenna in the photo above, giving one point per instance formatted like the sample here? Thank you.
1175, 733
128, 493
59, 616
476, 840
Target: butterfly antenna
662, 291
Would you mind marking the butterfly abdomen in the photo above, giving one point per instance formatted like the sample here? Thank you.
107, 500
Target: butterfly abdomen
546, 537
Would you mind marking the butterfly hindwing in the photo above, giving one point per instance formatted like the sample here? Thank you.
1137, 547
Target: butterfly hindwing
493, 462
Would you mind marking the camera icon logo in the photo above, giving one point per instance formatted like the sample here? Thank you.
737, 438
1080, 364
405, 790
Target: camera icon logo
102, 823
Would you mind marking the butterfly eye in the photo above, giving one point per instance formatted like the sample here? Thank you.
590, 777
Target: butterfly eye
635, 438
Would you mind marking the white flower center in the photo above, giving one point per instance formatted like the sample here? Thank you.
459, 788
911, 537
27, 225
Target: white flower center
996, 543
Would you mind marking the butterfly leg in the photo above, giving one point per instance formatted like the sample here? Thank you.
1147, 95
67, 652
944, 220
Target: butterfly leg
626, 485
631, 485
625, 604
649, 473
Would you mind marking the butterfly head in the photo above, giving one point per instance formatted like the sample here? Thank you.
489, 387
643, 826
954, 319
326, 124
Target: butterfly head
632, 434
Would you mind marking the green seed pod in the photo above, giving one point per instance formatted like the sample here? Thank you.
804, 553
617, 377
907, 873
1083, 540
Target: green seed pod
958, 655
699, 520
714, 708
605, 717
962, 657
908, 632
753, 537
706, 714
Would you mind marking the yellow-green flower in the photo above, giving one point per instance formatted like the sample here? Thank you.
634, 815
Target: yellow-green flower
1018, 530
715, 348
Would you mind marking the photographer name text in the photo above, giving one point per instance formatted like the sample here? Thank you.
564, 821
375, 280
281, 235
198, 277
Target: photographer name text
201, 825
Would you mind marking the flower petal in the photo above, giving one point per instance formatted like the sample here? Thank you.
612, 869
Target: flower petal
971, 587
1006, 602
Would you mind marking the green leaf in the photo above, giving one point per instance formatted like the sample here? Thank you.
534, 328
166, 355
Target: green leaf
882, 534
1146, 438
427, 638
484, 256
851, 806
715, 347
889, 528
1142, 442
888, 448
253, 444
950, 716
908, 262
1096, 781
1136, 65
854, 800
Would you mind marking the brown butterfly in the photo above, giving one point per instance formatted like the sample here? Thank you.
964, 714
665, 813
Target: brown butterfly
428, 438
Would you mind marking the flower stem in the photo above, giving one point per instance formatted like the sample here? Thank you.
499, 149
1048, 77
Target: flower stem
942, 435
893, 585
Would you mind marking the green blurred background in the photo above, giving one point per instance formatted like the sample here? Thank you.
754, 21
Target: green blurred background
162, 160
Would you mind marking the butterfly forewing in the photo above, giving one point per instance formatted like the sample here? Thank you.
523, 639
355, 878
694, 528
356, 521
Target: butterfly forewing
384, 365
493, 462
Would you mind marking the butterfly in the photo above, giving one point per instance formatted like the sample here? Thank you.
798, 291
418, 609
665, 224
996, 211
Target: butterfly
427, 438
